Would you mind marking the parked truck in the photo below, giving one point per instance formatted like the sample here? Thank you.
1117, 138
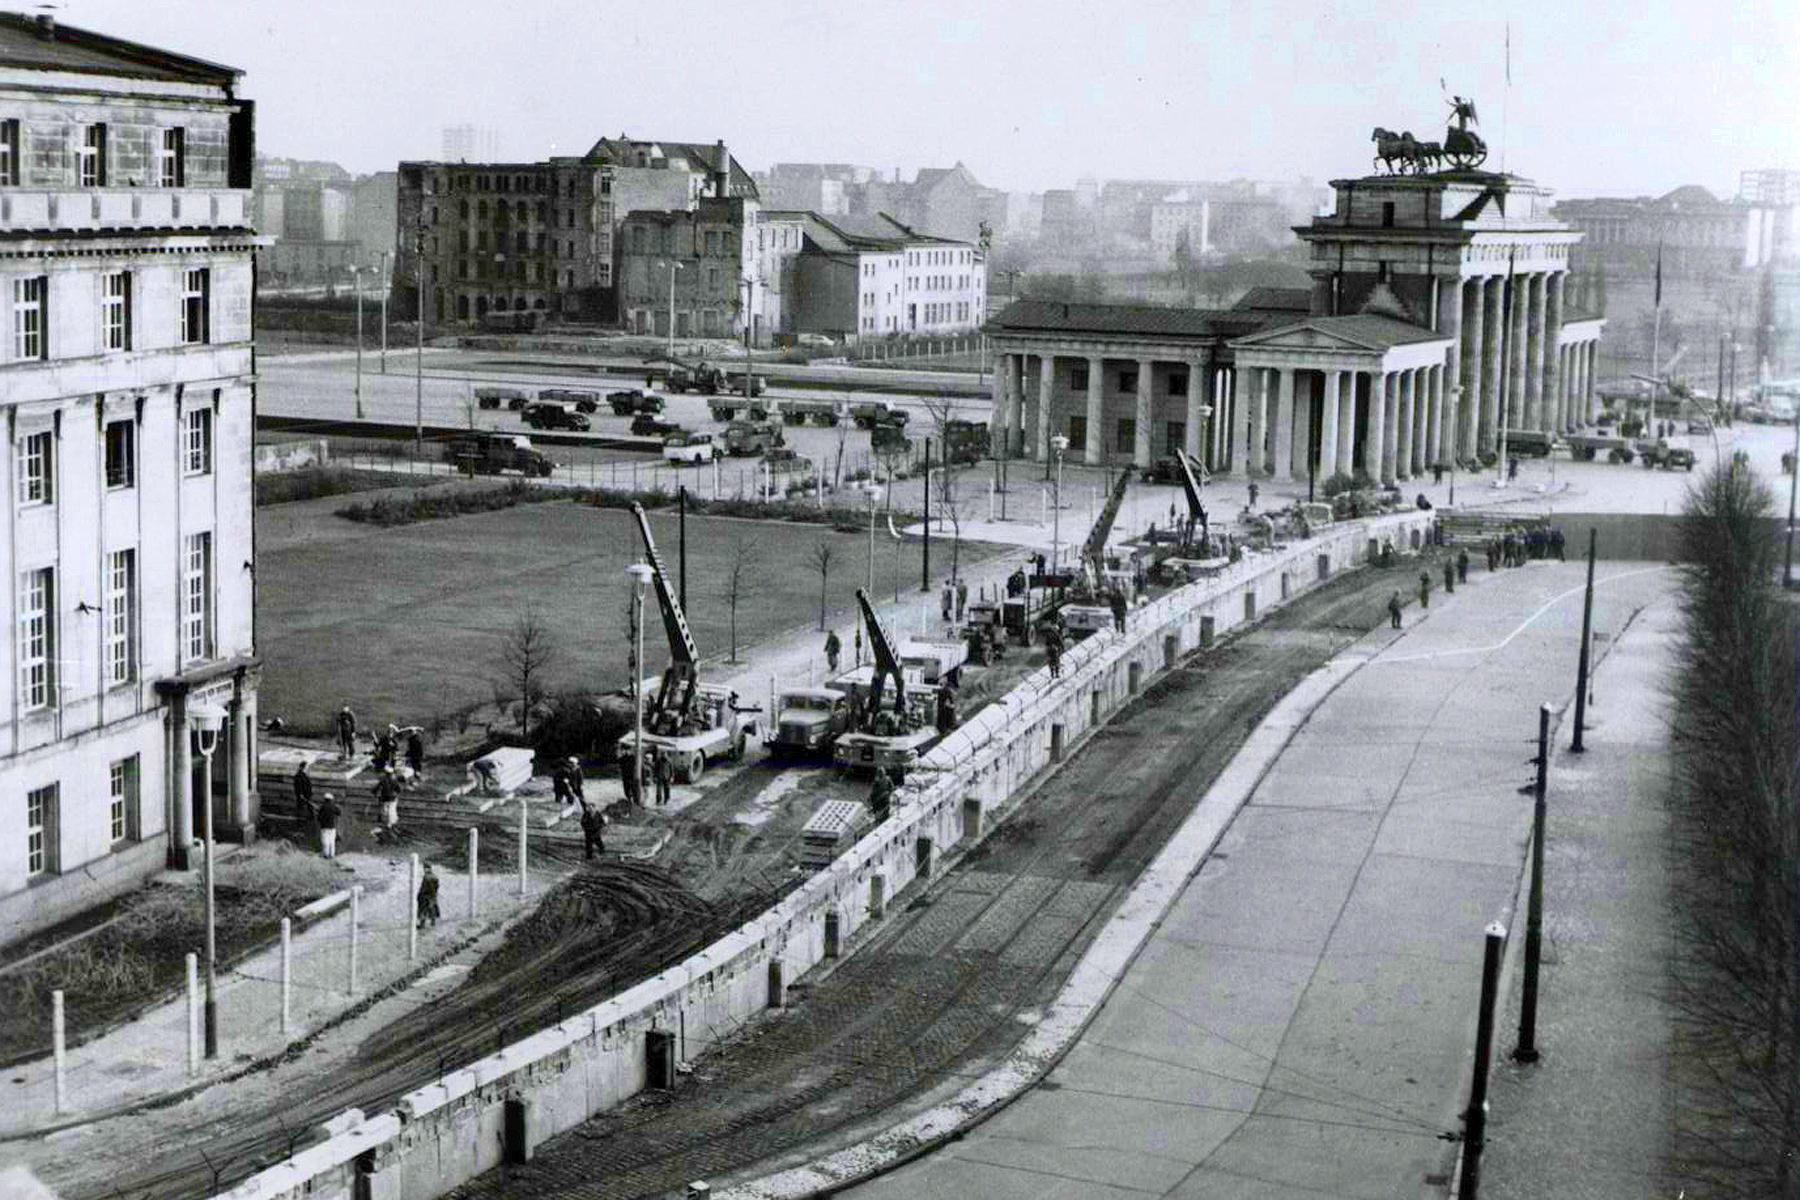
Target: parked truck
751, 437
729, 407
799, 410
496, 453
809, 722
869, 413
1666, 454
501, 397
635, 400
1585, 447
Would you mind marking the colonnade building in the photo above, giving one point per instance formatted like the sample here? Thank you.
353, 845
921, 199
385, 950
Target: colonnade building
1437, 316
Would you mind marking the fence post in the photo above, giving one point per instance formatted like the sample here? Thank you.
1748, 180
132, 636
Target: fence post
287, 977
474, 868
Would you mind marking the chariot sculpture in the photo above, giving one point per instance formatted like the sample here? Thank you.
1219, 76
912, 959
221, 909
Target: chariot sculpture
1403, 154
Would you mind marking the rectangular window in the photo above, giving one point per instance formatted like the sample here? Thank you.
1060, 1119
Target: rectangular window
1128, 379
171, 159
196, 600
40, 830
91, 162
9, 152
37, 637
115, 310
1387, 214
122, 793
1126, 441
712, 241
121, 617
1077, 432
198, 457
29, 302
36, 464
1178, 381
121, 453
196, 295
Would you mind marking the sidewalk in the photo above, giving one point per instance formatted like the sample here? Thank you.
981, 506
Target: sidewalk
146, 1060
1300, 1019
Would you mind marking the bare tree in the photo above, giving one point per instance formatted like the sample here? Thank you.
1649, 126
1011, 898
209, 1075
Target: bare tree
527, 651
822, 553
733, 585
946, 495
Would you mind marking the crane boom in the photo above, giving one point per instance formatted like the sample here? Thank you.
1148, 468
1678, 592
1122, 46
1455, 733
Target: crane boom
1093, 551
1191, 473
886, 663
680, 680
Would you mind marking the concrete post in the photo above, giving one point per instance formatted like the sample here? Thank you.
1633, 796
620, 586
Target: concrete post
287, 977
1587, 380
1146, 413
1403, 422
1328, 428
1347, 423
1283, 467
1382, 420
1421, 456
1488, 434
1431, 454
474, 869
1513, 414
1095, 449
1046, 399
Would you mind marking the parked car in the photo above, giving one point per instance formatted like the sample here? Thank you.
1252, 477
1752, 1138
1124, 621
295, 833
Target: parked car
816, 340
685, 448
645, 425
545, 414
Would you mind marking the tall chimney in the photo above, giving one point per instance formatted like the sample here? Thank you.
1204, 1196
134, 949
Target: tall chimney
721, 170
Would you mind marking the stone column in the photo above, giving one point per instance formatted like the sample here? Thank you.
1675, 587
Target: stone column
1553, 374
1534, 350
181, 790
1588, 362
1194, 437
1489, 402
1328, 428
1468, 369
238, 785
1003, 405
1403, 425
1046, 392
1095, 449
1346, 423
1240, 421
1146, 412
1283, 467
1434, 438
1513, 415
1303, 426
1257, 426
1390, 426
1375, 437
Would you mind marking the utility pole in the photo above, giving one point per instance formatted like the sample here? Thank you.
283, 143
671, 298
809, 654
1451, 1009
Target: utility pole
925, 564
1475, 1118
356, 282
1583, 666
1526, 1051
419, 360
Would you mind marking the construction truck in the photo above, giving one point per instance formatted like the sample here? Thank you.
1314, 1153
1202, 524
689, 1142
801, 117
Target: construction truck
808, 722
1088, 608
750, 437
964, 441
728, 407
693, 723
935, 662
885, 739
496, 453
702, 377
869, 413
797, 410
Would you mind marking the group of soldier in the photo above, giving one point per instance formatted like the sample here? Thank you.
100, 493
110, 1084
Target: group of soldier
1517, 545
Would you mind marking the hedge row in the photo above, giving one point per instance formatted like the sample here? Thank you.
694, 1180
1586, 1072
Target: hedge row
430, 505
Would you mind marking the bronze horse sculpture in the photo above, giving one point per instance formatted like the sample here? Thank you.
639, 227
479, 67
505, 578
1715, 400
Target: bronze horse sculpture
1401, 153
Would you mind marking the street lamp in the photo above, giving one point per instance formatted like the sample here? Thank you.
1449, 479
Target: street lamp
1058, 444
641, 575
206, 720
356, 282
673, 267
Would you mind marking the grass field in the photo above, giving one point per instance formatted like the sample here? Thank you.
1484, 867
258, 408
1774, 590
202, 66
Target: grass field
408, 622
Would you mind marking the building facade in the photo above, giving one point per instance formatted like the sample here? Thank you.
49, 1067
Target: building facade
128, 389
710, 254
540, 236
1437, 318
863, 277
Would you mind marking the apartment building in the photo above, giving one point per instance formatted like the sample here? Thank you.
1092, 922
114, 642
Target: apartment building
128, 392
870, 277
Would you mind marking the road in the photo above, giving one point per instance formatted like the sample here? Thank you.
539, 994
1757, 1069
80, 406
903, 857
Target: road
947, 984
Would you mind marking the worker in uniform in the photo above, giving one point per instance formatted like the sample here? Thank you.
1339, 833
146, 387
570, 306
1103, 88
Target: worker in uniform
665, 777
346, 731
577, 782
946, 711
593, 830
428, 898
415, 751
962, 598
629, 780
387, 794
1424, 589
328, 819
881, 794
1449, 577
947, 600
303, 792
1116, 599
1462, 565
833, 648
1394, 609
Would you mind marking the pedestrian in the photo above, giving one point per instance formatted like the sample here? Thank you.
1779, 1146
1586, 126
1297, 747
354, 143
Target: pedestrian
346, 731
1394, 609
1053, 655
577, 781
593, 831
415, 750
665, 777
628, 779
1512, 466
559, 786
962, 598
428, 898
1437, 473
1117, 599
328, 819
1449, 577
1556, 542
1424, 589
1252, 503
947, 601
383, 756
833, 648
387, 795
1462, 565
303, 793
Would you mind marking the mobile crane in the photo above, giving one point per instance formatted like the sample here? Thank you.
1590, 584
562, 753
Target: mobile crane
692, 722
1190, 487
1088, 610
887, 739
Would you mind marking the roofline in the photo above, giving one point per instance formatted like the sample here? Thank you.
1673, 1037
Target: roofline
87, 38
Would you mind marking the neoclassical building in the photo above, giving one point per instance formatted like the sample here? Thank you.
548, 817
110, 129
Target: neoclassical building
1437, 317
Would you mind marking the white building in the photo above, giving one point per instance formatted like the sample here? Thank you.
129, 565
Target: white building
127, 387
1177, 213
873, 276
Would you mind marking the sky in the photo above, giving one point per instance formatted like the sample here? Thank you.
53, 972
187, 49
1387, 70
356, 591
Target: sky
1607, 97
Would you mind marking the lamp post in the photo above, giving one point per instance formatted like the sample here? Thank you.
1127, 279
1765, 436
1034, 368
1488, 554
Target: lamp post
419, 357
206, 721
356, 282
673, 267
385, 280
640, 574
1058, 444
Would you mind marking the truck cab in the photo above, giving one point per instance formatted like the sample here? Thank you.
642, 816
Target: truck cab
809, 722
747, 437
553, 414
